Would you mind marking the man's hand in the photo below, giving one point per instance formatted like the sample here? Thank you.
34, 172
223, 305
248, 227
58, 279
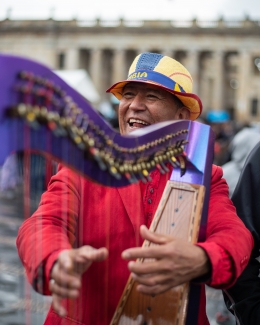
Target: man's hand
66, 273
171, 262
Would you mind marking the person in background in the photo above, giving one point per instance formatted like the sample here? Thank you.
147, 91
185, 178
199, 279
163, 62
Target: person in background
240, 147
243, 299
224, 131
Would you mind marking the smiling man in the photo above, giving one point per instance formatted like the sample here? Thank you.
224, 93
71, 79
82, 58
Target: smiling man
143, 104
60, 245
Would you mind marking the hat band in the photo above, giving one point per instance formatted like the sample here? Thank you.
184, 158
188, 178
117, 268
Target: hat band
147, 75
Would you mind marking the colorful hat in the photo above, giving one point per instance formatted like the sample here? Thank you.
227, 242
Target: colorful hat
165, 73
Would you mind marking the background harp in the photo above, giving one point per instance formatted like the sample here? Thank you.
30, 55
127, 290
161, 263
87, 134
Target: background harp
41, 113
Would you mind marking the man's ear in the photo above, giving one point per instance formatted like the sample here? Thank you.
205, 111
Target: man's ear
183, 113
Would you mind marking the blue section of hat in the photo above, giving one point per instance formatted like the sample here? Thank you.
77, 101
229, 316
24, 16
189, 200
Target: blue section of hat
148, 61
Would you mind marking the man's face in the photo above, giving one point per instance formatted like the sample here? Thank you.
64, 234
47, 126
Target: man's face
145, 104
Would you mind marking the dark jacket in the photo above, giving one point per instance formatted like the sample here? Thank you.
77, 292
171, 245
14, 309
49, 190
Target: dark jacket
244, 297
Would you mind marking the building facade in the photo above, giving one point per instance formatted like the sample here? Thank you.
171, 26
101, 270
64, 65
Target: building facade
223, 57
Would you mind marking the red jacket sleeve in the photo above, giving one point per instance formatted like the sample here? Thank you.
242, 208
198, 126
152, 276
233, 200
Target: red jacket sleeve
228, 242
57, 215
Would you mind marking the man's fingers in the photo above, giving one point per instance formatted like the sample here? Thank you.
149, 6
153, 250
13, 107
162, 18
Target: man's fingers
159, 239
153, 279
66, 273
63, 291
89, 253
57, 306
153, 252
77, 261
150, 251
66, 260
150, 267
67, 281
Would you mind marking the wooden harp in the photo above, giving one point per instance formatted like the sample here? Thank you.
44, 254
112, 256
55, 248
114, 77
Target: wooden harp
182, 213
40, 113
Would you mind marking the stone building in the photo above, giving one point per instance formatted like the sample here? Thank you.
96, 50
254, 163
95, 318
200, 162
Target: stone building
222, 56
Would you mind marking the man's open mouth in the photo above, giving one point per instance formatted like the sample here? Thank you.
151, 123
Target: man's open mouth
136, 123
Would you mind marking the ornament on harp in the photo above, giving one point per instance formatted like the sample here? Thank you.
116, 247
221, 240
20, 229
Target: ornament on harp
95, 153
174, 162
114, 172
133, 178
31, 117
146, 175
182, 162
89, 142
165, 168
21, 110
43, 114
52, 121
159, 167
129, 174
61, 128
145, 167
75, 135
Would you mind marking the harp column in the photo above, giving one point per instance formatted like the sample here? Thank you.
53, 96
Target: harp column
95, 68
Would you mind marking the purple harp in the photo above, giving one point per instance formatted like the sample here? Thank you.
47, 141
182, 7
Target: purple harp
40, 113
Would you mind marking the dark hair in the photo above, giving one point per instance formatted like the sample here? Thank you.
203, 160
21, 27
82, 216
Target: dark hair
178, 102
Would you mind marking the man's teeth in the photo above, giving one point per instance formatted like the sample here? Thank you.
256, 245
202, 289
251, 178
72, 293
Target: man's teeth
133, 120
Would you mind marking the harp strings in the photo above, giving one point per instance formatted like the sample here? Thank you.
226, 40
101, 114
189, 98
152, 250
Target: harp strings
41, 102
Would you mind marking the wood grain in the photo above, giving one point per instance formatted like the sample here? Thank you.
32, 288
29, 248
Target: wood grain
178, 215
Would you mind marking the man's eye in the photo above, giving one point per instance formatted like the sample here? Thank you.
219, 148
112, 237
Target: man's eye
152, 96
128, 94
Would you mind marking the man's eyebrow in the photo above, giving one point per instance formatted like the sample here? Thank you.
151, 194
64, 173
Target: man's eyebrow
157, 91
128, 87
154, 90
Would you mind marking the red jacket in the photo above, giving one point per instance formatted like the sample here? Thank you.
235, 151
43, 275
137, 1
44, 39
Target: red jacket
75, 212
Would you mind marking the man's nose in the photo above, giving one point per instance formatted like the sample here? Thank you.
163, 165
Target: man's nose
138, 102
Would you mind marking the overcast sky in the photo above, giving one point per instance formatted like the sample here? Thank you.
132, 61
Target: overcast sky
130, 9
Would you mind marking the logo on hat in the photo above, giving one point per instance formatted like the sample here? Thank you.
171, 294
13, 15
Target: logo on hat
138, 75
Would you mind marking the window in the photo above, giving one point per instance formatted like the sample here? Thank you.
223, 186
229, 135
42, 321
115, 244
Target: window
84, 59
254, 107
61, 61
256, 65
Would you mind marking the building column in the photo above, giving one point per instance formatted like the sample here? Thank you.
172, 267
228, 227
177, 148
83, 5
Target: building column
72, 59
218, 87
95, 69
119, 66
192, 65
242, 106
142, 50
168, 52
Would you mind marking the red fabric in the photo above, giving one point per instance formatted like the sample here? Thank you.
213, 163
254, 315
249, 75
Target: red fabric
90, 214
